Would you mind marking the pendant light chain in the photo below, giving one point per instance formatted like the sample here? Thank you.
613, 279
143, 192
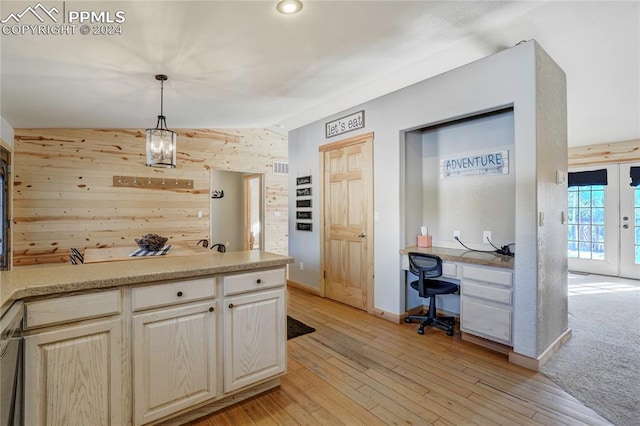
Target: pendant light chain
162, 98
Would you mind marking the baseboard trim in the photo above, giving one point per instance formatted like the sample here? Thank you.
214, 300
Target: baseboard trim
304, 287
394, 318
536, 364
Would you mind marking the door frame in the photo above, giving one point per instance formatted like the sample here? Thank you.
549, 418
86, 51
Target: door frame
369, 215
246, 201
5, 215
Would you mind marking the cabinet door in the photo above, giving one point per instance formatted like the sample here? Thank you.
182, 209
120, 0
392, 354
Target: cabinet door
174, 359
255, 338
491, 321
73, 375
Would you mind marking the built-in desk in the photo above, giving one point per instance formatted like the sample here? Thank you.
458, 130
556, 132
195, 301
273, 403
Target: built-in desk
461, 256
485, 303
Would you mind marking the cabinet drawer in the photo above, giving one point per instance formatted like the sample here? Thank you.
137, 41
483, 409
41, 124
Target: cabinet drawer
234, 284
487, 275
71, 308
449, 269
152, 296
494, 293
491, 322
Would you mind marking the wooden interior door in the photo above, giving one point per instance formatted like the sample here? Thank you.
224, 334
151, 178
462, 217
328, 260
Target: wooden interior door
347, 221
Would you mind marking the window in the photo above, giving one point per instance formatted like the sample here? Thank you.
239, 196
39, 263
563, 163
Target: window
586, 222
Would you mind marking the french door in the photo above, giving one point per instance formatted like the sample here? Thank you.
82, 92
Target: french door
604, 224
629, 223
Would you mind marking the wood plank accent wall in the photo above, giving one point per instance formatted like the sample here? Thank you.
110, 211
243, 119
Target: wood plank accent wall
606, 153
64, 194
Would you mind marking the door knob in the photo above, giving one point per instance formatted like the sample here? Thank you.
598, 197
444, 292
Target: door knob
361, 235
625, 226
625, 218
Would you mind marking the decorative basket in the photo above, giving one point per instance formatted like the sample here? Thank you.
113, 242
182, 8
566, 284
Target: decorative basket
151, 242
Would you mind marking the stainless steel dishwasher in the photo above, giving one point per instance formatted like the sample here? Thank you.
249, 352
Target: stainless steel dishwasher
11, 366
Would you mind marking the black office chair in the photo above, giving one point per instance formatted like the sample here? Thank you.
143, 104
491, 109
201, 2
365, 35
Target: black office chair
428, 267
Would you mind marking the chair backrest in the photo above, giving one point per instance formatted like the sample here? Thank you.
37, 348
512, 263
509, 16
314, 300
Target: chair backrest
425, 265
75, 256
220, 247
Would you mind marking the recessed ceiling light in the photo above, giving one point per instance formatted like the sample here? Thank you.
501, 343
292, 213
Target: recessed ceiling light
289, 7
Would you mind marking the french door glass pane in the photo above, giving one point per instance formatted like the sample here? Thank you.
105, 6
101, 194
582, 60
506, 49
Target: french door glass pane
586, 222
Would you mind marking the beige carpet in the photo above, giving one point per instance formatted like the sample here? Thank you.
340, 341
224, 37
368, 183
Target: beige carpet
600, 364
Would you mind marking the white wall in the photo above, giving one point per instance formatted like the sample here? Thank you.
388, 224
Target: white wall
469, 204
6, 132
514, 77
227, 212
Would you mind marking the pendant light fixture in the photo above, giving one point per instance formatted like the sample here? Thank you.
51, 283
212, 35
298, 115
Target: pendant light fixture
161, 142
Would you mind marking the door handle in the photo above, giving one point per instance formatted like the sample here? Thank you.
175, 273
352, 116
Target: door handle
361, 235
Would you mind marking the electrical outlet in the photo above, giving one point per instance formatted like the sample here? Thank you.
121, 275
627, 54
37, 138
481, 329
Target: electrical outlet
486, 236
301, 266
456, 233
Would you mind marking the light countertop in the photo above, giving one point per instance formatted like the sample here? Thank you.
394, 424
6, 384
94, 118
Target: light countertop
28, 282
464, 256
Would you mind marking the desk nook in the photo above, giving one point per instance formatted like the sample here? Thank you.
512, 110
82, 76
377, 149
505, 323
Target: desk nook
484, 304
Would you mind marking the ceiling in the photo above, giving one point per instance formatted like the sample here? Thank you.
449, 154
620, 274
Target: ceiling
242, 64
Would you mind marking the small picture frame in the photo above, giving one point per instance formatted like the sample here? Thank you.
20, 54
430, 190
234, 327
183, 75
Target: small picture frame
300, 226
303, 203
303, 180
303, 192
304, 215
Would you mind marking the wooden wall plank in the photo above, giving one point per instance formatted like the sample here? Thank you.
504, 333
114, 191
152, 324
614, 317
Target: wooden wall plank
64, 194
606, 153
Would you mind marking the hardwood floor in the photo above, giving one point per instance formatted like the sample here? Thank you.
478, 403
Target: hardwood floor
356, 369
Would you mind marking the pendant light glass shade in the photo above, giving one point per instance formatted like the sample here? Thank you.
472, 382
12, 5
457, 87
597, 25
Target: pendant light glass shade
161, 142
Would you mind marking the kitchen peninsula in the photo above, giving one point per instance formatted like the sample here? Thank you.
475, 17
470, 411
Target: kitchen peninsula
149, 341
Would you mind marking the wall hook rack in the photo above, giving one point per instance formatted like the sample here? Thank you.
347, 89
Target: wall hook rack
151, 182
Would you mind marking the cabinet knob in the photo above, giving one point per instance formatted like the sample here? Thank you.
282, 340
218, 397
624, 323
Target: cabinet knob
230, 305
211, 309
179, 294
258, 281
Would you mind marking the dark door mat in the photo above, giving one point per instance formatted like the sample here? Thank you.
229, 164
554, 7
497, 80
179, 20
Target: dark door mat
296, 328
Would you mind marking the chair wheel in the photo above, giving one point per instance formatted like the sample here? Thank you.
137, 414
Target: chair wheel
407, 320
420, 331
450, 332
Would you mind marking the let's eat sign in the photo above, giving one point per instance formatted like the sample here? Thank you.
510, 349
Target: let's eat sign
344, 124
483, 164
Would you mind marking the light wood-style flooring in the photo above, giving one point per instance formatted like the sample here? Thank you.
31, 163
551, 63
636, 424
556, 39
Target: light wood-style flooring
357, 369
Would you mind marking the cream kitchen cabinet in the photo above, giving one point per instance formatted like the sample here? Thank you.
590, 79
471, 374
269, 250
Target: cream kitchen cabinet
73, 360
486, 303
255, 327
174, 347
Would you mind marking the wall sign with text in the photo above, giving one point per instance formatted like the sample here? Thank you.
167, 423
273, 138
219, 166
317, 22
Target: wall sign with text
483, 164
304, 214
344, 124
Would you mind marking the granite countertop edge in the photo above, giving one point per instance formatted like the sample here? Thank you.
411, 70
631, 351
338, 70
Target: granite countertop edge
48, 281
